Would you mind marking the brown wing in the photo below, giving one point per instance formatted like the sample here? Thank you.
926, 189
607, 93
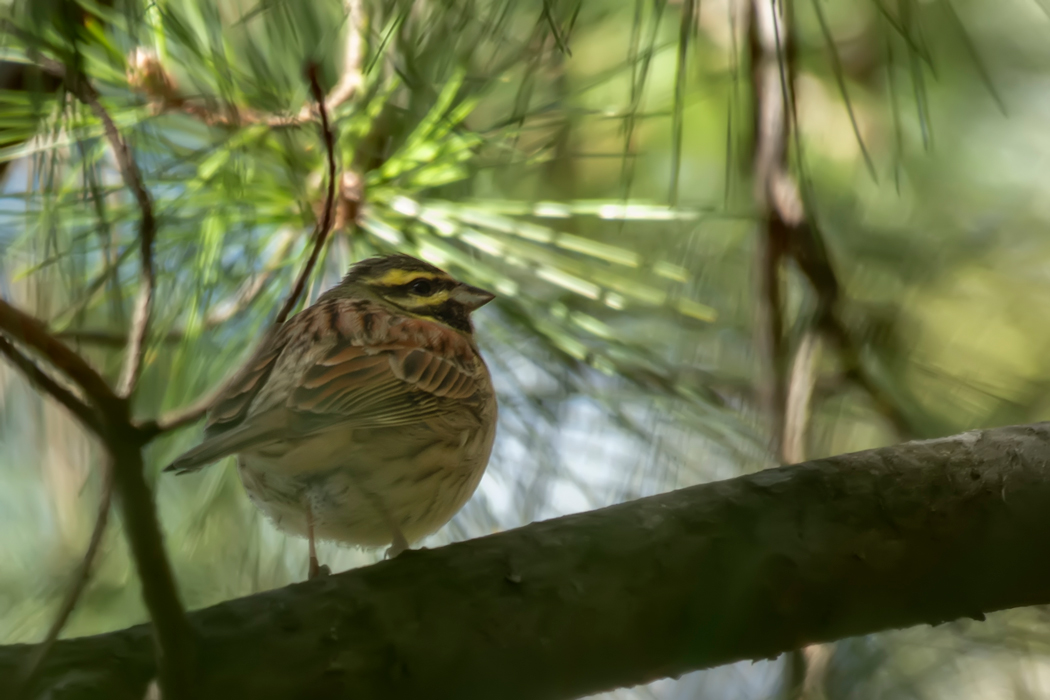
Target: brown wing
375, 386
225, 431
422, 371
233, 404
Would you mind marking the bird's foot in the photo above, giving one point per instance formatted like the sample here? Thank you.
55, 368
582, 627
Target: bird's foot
317, 570
399, 545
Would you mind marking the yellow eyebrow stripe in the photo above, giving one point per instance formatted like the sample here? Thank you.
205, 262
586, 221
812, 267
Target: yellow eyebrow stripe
395, 278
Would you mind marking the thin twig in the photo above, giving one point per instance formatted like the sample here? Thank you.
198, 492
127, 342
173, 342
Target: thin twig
47, 385
129, 171
195, 411
79, 583
325, 225
180, 417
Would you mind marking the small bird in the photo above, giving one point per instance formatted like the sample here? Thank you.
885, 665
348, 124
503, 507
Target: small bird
367, 418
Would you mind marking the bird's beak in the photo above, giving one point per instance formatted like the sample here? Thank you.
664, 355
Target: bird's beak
472, 297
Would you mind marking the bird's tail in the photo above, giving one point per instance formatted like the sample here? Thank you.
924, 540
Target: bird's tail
219, 446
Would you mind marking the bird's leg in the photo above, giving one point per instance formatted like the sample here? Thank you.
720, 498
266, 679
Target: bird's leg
315, 569
399, 544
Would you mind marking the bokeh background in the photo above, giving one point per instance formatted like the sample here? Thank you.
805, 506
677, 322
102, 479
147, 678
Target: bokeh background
589, 161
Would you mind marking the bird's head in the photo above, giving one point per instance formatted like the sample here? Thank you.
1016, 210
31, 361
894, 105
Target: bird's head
416, 288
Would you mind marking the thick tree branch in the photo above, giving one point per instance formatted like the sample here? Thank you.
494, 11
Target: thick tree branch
918, 533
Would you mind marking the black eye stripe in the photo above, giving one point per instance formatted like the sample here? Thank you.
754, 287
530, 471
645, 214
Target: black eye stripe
437, 284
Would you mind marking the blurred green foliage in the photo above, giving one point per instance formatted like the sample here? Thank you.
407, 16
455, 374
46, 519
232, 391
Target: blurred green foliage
590, 163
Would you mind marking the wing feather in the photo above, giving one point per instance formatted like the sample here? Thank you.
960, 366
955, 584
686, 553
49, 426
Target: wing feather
377, 374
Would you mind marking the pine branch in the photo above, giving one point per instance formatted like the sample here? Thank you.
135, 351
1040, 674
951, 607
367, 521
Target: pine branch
148, 76
324, 226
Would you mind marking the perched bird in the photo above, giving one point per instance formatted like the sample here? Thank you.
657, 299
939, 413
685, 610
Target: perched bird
367, 418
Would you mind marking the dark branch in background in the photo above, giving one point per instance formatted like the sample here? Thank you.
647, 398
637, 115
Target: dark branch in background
49, 387
788, 232
918, 533
176, 655
320, 235
80, 581
174, 639
770, 130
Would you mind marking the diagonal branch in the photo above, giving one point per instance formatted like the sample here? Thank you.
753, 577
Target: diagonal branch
124, 441
180, 417
324, 226
47, 385
747, 568
20, 326
80, 86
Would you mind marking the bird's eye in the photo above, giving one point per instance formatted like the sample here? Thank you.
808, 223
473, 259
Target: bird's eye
420, 287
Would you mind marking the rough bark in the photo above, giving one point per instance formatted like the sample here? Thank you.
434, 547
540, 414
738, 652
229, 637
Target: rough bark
922, 532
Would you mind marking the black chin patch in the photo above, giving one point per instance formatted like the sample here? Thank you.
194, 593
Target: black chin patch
452, 314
